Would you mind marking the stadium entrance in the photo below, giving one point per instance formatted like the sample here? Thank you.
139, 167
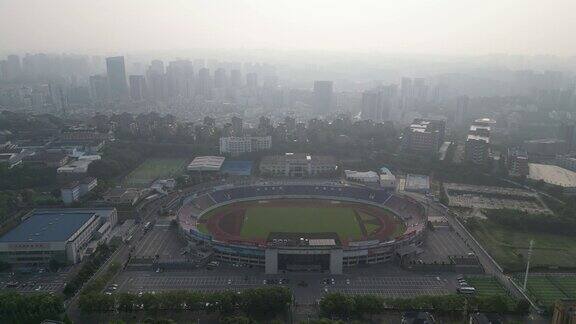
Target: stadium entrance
303, 260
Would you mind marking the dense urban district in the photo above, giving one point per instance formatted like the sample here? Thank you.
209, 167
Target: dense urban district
224, 192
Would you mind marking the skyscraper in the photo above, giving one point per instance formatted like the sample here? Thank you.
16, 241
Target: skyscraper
235, 78
137, 87
252, 80
378, 103
99, 88
323, 96
116, 71
220, 78
204, 87
13, 67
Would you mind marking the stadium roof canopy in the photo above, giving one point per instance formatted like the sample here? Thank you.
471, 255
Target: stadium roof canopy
45, 226
206, 163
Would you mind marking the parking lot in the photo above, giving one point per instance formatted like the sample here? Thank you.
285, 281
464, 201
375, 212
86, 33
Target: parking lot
162, 240
307, 288
34, 282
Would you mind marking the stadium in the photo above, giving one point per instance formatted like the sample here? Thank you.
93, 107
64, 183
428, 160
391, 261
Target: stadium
303, 227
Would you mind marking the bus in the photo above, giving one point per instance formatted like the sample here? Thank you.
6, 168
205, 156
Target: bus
467, 290
147, 226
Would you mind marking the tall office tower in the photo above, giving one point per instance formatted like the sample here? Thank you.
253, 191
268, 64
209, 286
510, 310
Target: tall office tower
180, 79
462, 103
323, 96
157, 66
137, 87
406, 94
199, 64
378, 103
13, 67
235, 78
99, 88
270, 81
220, 78
3, 70
156, 83
204, 84
420, 89
237, 126
567, 132
116, 71
252, 80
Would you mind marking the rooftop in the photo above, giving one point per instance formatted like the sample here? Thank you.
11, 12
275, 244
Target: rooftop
206, 163
298, 158
48, 226
552, 174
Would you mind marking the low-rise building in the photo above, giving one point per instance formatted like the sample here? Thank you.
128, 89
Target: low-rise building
10, 159
387, 179
369, 177
46, 159
417, 183
122, 196
206, 164
74, 190
564, 312
247, 144
53, 234
298, 165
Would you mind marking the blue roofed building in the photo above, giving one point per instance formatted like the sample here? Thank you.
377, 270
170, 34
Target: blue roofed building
59, 234
236, 168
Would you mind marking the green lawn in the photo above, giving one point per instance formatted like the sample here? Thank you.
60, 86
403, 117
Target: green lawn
152, 169
489, 286
509, 247
547, 289
261, 220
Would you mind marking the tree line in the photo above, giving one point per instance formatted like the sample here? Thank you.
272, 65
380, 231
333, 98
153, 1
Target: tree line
88, 269
362, 306
258, 303
541, 223
33, 309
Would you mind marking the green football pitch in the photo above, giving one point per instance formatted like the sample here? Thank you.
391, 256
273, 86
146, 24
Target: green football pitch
259, 221
152, 169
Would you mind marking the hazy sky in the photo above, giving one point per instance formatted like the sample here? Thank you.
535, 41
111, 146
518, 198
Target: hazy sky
393, 26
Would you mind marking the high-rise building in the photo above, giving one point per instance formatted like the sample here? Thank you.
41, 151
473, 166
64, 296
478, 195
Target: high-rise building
567, 133
156, 82
220, 78
180, 79
462, 103
323, 96
406, 94
424, 135
235, 78
137, 87
157, 66
99, 88
477, 149
14, 67
237, 126
252, 80
377, 103
204, 84
116, 71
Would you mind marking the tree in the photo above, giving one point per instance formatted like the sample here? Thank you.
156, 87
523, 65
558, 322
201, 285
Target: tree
338, 305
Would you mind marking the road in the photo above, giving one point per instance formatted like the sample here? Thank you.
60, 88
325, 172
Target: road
148, 210
490, 265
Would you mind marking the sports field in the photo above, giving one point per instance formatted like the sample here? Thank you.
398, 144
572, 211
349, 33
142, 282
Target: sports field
548, 288
487, 286
510, 247
152, 169
253, 221
260, 221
